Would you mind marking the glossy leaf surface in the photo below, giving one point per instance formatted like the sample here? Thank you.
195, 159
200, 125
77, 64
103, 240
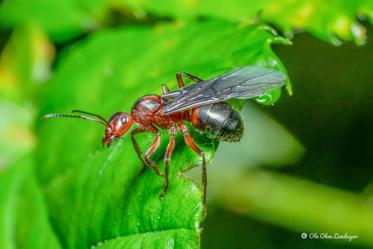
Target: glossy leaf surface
103, 197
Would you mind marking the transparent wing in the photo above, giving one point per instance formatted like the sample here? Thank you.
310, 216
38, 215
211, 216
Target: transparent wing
241, 83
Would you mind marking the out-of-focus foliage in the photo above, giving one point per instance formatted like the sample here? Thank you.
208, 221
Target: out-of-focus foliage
61, 19
275, 197
265, 142
17, 136
328, 20
24, 64
331, 21
23, 216
270, 197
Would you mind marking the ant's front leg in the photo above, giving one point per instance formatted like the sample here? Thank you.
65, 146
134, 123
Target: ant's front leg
179, 77
151, 150
167, 158
137, 148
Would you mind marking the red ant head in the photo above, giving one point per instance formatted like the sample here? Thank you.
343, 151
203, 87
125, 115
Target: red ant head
118, 125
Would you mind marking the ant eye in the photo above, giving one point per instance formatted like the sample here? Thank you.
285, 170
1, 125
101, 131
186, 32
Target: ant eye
123, 120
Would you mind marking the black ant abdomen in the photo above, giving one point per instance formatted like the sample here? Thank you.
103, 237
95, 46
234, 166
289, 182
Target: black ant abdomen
220, 121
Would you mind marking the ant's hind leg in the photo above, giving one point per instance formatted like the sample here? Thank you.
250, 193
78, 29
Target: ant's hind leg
191, 144
179, 77
170, 149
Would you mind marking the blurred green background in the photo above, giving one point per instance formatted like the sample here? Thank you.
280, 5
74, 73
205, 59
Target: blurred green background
304, 165
331, 114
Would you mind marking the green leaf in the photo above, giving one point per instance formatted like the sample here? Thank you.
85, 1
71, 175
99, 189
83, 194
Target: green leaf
94, 198
23, 215
107, 197
111, 70
164, 239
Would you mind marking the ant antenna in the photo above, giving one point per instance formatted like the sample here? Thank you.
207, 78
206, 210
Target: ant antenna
96, 115
58, 115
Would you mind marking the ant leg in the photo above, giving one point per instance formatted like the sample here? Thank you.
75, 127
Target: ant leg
191, 144
151, 150
165, 89
137, 148
179, 77
170, 149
